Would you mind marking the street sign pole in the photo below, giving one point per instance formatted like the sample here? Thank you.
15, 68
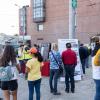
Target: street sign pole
72, 15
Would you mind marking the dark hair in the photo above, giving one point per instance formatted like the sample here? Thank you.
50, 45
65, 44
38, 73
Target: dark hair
97, 43
68, 45
81, 44
35, 45
38, 56
8, 55
97, 47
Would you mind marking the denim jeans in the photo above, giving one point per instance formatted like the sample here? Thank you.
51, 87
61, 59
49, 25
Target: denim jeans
0, 83
83, 61
97, 95
54, 74
36, 85
87, 62
69, 75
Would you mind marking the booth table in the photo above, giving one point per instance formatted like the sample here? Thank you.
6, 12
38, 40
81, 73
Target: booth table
46, 69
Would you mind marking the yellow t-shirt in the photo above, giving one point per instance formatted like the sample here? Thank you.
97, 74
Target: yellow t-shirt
34, 65
97, 58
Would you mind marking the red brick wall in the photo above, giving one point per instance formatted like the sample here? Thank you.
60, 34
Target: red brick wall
56, 24
88, 18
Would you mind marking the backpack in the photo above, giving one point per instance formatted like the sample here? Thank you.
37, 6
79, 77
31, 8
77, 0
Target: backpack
5, 73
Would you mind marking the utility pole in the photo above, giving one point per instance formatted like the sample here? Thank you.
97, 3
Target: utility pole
72, 15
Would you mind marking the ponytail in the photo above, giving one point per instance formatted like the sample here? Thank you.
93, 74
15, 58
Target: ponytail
39, 56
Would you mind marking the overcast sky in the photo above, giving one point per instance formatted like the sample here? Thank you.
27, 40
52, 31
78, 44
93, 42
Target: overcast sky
9, 15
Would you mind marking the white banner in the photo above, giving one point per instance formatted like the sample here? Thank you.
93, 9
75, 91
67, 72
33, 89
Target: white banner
75, 47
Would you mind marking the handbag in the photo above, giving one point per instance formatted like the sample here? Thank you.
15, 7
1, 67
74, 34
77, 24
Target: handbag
97, 58
60, 66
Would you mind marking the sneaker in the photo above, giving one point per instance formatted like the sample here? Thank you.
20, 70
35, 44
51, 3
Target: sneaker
56, 93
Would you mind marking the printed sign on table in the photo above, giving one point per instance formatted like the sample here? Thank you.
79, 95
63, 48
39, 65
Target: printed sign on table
75, 47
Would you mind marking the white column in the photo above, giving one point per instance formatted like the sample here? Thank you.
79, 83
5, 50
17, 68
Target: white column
71, 21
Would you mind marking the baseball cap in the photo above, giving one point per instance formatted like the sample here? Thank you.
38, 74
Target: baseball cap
33, 50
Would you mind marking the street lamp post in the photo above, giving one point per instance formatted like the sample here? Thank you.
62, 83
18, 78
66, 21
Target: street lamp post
72, 15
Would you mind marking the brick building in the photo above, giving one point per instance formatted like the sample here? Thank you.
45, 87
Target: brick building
48, 20
23, 19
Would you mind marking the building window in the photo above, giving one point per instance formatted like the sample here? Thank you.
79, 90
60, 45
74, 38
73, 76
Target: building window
38, 10
39, 27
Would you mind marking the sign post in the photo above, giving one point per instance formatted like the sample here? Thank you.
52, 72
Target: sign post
72, 15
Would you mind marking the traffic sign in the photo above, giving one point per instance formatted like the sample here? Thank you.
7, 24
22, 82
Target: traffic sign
74, 4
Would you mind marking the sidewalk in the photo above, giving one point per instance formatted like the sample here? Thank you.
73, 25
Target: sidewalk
84, 89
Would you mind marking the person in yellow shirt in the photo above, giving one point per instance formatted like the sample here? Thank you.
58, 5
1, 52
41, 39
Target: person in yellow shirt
26, 56
33, 68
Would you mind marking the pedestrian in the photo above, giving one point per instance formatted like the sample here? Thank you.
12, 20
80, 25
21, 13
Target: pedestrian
20, 58
87, 58
33, 68
83, 52
96, 69
26, 56
37, 47
55, 61
9, 86
69, 59
1, 51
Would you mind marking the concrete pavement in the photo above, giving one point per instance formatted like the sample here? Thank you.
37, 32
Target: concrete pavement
85, 89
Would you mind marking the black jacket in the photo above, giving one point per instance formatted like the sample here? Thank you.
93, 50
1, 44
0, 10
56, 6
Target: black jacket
83, 52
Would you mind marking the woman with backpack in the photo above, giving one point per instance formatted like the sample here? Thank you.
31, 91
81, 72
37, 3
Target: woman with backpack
9, 67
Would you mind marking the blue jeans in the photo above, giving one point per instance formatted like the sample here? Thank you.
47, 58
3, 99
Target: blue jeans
97, 95
87, 62
54, 74
34, 84
69, 75
83, 61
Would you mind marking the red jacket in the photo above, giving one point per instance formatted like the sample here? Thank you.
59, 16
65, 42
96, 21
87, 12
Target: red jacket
69, 57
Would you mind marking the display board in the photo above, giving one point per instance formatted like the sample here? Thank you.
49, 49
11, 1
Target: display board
75, 47
45, 51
